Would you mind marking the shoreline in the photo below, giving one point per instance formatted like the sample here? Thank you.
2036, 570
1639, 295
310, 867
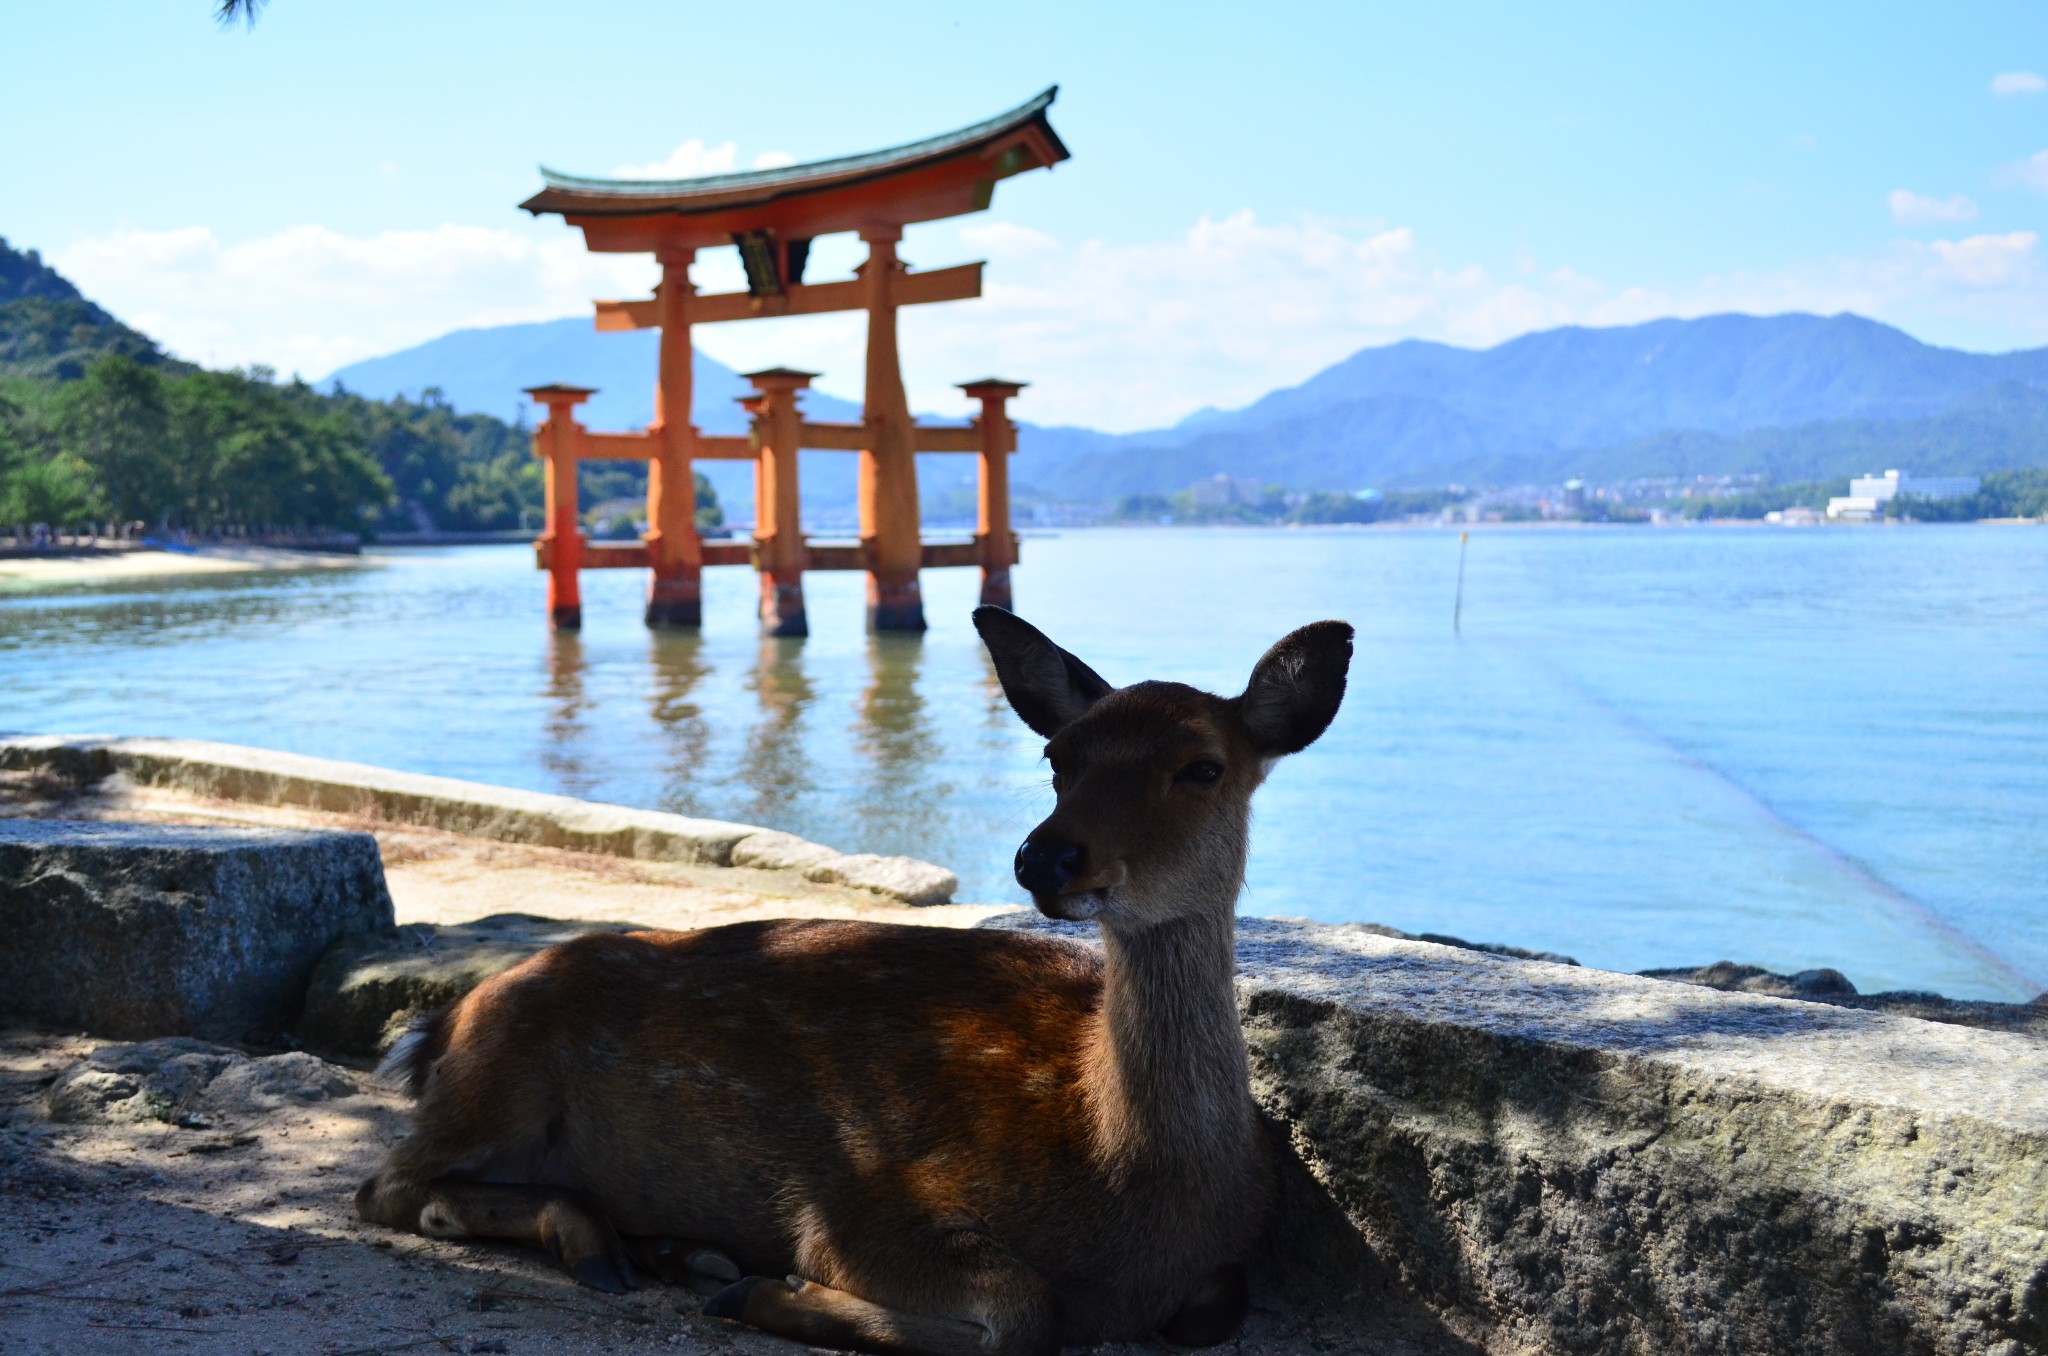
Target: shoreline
28, 574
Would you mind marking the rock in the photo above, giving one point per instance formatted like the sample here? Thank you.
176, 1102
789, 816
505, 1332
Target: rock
1832, 986
770, 850
367, 987
904, 878
178, 1080
1732, 978
148, 930
1608, 1163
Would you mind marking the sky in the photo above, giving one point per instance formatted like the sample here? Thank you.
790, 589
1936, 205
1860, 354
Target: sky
1256, 191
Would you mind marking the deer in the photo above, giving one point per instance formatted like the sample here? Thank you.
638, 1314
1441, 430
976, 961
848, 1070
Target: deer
899, 1138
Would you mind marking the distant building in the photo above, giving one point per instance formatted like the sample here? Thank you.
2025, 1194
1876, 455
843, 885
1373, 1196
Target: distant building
1869, 494
1799, 515
1575, 494
1220, 491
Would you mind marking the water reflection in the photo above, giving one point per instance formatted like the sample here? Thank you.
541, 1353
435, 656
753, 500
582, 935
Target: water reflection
564, 752
679, 665
897, 744
777, 767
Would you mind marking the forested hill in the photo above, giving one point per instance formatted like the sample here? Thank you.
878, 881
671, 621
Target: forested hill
49, 331
97, 424
1790, 396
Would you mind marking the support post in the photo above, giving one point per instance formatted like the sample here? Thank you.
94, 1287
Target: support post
888, 465
558, 443
675, 591
778, 514
992, 531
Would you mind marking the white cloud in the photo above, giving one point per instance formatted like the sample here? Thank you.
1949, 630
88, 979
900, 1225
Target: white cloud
2032, 172
2017, 82
1115, 336
686, 161
694, 157
1917, 209
309, 299
1988, 260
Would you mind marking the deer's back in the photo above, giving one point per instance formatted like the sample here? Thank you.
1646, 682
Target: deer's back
743, 1084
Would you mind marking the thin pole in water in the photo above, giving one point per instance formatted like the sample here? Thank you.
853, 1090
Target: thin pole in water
1458, 608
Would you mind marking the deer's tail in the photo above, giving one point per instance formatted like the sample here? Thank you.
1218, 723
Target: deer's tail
411, 1057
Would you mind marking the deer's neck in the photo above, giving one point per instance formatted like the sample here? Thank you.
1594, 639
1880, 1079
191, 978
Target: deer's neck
1168, 1073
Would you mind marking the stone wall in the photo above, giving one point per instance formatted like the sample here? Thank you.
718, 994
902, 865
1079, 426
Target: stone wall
1583, 1161
266, 777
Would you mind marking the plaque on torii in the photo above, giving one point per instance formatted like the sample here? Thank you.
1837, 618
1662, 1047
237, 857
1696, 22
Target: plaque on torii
771, 216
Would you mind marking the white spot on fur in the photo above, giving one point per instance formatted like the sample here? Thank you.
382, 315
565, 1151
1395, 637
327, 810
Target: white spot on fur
437, 1221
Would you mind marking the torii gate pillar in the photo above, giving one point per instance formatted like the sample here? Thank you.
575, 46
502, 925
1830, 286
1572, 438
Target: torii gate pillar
675, 592
888, 464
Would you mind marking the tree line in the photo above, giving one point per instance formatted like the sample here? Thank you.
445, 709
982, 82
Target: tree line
183, 449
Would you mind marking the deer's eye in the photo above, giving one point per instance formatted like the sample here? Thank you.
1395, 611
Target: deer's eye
1204, 773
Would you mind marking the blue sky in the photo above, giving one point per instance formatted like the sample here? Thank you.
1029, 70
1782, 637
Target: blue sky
1256, 190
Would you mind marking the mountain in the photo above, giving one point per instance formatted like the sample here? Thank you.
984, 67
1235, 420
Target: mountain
49, 331
1792, 396
1721, 394
485, 371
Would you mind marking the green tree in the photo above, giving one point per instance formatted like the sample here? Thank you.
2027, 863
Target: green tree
116, 422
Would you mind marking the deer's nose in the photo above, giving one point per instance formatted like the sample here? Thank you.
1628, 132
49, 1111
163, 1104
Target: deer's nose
1048, 868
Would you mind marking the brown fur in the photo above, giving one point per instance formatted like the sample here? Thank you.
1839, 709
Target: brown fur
961, 1141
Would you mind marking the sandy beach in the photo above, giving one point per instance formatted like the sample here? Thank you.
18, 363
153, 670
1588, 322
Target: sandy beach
25, 574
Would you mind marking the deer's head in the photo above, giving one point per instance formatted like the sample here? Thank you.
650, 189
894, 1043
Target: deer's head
1154, 781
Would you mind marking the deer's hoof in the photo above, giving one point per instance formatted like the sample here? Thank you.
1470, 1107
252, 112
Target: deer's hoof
731, 1302
600, 1272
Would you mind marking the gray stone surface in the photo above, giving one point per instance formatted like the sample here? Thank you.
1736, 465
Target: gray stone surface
1595, 1162
267, 777
134, 930
368, 986
772, 850
181, 1081
1607, 1163
904, 878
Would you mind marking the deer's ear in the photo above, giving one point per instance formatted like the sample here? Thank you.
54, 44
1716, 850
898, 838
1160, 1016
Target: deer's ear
1047, 687
1296, 689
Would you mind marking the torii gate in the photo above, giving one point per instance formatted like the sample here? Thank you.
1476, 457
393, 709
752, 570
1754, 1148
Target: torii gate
772, 216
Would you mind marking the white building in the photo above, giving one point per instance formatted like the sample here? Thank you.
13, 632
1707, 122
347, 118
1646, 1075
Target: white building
1869, 494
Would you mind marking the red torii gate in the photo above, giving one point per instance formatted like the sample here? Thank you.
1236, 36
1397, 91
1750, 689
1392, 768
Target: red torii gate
772, 216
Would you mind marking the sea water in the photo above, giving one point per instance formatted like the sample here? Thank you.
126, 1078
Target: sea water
1640, 747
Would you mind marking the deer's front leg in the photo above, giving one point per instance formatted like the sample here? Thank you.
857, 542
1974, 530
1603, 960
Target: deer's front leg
540, 1217
965, 1297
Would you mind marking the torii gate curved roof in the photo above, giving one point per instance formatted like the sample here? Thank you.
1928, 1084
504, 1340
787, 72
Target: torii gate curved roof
941, 176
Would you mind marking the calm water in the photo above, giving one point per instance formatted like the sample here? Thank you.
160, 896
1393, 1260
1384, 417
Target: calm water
1649, 747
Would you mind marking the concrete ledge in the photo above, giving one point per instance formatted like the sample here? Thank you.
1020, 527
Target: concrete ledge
265, 777
1605, 1163
1584, 1161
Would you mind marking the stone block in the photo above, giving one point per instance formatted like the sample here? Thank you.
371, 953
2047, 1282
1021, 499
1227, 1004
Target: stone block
1607, 1163
904, 878
1585, 1161
137, 930
772, 850
368, 986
